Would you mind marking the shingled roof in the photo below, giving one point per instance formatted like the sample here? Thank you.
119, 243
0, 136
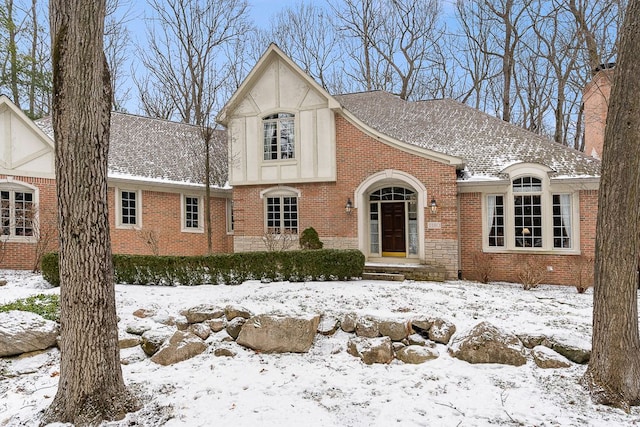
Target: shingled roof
487, 144
152, 149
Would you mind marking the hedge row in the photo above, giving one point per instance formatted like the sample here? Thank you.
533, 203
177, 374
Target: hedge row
230, 269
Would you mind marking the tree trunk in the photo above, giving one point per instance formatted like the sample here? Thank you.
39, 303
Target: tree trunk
91, 387
613, 375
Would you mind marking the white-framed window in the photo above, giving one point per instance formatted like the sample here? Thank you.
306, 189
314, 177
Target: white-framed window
279, 136
128, 208
229, 216
18, 211
192, 214
280, 209
530, 216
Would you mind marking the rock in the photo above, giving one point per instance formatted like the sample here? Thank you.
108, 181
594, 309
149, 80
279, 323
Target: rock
349, 322
394, 329
486, 343
3, 282
233, 311
201, 330
279, 334
142, 313
328, 325
422, 326
546, 358
224, 352
441, 331
202, 312
371, 350
577, 352
182, 324
139, 327
367, 327
416, 354
235, 326
397, 345
165, 319
216, 325
129, 340
153, 339
416, 339
181, 346
531, 340
22, 332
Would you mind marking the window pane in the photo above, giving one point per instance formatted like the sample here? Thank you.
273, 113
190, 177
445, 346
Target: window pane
273, 214
24, 214
527, 184
191, 212
270, 140
562, 221
128, 207
5, 212
528, 221
374, 232
495, 215
287, 140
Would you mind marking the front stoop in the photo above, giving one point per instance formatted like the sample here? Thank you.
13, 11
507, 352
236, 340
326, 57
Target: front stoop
400, 272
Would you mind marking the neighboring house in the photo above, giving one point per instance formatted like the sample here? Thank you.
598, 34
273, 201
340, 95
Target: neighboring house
431, 182
156, 195
595, 98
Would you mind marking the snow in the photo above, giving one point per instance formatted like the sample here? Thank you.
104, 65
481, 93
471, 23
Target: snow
327, 386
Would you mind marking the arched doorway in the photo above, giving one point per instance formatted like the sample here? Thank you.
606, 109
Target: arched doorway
393, 222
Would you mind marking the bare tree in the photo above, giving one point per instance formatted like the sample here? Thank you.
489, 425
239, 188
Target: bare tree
117, 41
91, 387
187, 68
613, 375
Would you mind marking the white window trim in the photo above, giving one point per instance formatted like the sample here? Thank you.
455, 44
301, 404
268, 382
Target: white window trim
183, 214
9, 184
546, 200
118, 197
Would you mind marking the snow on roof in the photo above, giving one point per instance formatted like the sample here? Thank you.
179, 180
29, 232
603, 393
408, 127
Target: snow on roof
486, 143
152, 150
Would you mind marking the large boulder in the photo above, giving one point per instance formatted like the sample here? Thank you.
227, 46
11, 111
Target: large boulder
441, 331
200, 329
576, 350
367, 327
181, 346
233, 311
328, 325
153, 339
22, 332
486, 343
234, 327
371, 350
348, 323
546, 358
416, 354
395, 329
279, 334
202, 312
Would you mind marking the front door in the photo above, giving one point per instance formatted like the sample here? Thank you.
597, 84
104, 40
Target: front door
393, 229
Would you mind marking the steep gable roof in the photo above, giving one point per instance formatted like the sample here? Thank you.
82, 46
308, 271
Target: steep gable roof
487, 144
143, 148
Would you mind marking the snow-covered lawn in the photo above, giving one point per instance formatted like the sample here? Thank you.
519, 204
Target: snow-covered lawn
327, 386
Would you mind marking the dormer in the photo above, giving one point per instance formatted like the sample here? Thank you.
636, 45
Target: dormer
281, 126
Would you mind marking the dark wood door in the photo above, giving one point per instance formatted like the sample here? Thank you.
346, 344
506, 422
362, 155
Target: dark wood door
393, 229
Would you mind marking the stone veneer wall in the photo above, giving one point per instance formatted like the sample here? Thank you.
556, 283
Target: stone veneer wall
445, 253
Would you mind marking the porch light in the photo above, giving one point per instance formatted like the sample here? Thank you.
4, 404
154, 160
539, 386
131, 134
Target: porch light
434, 206
349, 206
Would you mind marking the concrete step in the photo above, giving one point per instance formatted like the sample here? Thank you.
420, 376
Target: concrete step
394, 277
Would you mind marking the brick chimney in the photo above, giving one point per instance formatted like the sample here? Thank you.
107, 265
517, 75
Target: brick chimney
595, 97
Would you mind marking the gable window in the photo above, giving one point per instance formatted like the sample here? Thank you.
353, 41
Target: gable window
191, 214
530, 216
279, 136
17, 211
128, 209
282, 215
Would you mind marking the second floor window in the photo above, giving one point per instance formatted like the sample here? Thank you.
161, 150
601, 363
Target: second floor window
279, 136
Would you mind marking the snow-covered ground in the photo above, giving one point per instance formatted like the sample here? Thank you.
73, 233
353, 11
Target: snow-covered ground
327, 386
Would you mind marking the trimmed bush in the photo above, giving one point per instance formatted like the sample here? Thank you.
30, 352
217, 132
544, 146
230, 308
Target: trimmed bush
309, 239
229, 269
